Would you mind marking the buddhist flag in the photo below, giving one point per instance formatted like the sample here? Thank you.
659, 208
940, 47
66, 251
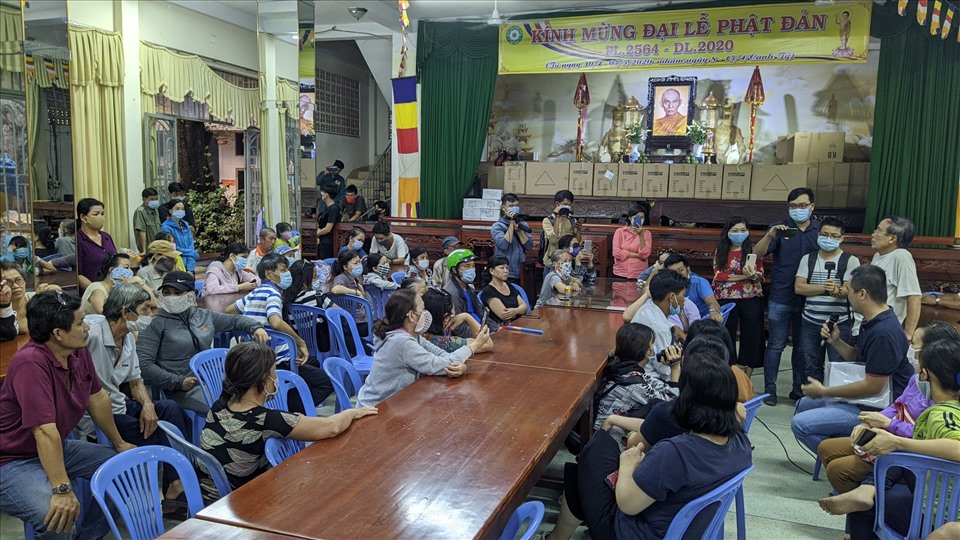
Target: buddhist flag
922, 12
406, 116
902, 7
947, 21
935, 20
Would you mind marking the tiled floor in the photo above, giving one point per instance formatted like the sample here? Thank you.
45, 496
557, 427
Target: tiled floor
781, 501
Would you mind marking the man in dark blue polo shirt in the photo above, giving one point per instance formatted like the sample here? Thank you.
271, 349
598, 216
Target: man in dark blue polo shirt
882, 347
788, 240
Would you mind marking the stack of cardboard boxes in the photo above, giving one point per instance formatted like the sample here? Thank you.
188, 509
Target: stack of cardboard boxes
485, 209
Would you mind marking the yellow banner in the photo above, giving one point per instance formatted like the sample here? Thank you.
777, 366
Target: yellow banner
752, 35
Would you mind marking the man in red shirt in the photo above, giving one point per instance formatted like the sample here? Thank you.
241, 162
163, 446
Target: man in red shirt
50, 383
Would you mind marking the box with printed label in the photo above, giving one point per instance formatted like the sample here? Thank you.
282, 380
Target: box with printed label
581, 178
656, 177
810, 147
480, 214
735, 185
859, 182
511, 177
606, 179
708, 181
473, 203
490, 204
630, 183
682, 180
547, 178
775, 182
493, 194
833, 183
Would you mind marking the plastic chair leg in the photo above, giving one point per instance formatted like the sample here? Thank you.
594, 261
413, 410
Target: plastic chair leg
197, 422
741, 516
816, 470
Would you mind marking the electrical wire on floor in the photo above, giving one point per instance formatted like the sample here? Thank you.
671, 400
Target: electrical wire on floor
785, 452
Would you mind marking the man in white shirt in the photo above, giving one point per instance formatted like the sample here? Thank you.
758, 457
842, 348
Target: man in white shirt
391, 245
667, 289
890, 240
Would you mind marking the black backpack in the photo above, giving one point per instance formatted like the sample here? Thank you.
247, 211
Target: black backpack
543, 240
841, 265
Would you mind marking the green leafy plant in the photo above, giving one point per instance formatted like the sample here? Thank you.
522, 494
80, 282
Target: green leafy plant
697, 133
220, 221
636, 133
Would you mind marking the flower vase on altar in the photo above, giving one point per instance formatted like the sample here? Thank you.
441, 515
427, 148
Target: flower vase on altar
698, 152
634, 153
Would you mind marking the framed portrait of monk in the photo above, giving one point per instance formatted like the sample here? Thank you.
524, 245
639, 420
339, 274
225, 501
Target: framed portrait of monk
671, 106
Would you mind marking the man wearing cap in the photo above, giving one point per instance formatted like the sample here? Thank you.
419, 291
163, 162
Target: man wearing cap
183, 330
331, 177
440, 272
512, 237
163, 260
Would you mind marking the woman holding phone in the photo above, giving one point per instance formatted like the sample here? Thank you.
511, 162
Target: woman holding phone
444, 319
632, 244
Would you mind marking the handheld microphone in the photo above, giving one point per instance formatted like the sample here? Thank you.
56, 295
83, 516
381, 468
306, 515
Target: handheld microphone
833, 321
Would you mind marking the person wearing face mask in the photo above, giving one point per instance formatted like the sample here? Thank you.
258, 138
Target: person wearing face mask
559, 279
667, 290
557, 225
179, 227
146, 219
226, 275
18, 253
177, 332
440, 271
826, 412
93, 243
463, 276
402, 355
420, 264
348, 272
163, 259
632, 244
512, 237
823, 277
112, 345
12, 277
304, 290
353, 205
845, 467
178, 193
390, 244
8, 317
376, 273
355, 242
239, 423
936, 434
443, 319
115, 272
584, 269
287, 240
785, 306
326, 222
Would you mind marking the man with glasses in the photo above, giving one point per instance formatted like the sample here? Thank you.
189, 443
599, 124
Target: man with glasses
890, 241
788, 240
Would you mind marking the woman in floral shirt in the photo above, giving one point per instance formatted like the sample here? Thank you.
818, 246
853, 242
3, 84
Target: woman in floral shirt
735, 281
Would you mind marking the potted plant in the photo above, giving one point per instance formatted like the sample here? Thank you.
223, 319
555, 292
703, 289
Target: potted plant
637, 135
698, 136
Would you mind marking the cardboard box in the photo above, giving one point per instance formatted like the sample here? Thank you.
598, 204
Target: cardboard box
511, 177
656, 178
630, 183
708, 181
736, 182
472, 204
810, 147
581, 179
859, 183
775, 182
606, 179
683, 178
493, 194
833, 183
490, 204
547, 178
480, 214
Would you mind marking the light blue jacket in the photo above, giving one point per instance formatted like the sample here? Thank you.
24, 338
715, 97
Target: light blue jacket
183, 238
514, 251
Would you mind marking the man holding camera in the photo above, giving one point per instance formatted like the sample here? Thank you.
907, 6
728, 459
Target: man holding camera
331, 177
788, 240
557, 225
512, 237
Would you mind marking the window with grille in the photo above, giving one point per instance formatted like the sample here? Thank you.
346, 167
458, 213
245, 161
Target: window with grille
338, 104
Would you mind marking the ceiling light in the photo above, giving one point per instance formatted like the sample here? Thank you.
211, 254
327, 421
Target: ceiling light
357, 12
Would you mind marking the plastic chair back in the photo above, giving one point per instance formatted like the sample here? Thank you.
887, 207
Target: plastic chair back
208, 366
337, 321
752, 407
936, 496
329, 262
523, 294
353, 304
531, 513
278, 450
130, 482
305, 320
346, 381
378, 301
726, 309
398, 276
200, 458
723, 495
198, 288
282, 344
289, 381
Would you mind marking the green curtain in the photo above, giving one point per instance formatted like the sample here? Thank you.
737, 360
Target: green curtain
457, 71
916, 148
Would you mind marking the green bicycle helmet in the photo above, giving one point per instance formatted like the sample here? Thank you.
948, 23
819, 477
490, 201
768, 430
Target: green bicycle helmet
458, 256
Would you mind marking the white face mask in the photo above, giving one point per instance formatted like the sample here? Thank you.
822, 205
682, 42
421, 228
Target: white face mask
139, 325
176, 305
424, 322
422, 264
912, 356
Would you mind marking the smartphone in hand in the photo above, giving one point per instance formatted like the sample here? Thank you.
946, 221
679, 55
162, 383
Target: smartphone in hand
486, 313
865, 437
752, 260
791, 232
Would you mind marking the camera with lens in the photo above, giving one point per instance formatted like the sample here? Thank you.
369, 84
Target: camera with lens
520, 217
564, 212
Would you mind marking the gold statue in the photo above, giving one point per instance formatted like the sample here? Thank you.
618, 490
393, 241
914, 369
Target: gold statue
613, 139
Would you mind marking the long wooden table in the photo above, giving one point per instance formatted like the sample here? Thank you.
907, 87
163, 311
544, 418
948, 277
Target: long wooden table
445, 458
193, 529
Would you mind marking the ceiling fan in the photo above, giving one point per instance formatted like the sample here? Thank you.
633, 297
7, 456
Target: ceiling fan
495, 15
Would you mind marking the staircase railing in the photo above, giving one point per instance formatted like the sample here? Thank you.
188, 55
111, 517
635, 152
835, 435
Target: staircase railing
376, 186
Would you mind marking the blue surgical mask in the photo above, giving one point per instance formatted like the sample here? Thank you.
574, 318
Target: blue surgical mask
356, 271
286, 280
316, 284
674, 309
153, 205
21, 253
800, 215
118, 275
241, 263
827, 244
179, 214
356, 246
637, 222
469, 275
514, 209
737, 238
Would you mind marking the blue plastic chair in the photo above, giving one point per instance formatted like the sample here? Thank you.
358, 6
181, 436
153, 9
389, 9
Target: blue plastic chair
289, 381
198, 457
337, 320
723, 495
196, 420
305, 320
351, 304
752, 407
278, 450
726, 309
378, 301
198, 288
208, 366
398, 276
934, 502
346, 381
531, 513
523, 294
282, 344
329, 262
130, 482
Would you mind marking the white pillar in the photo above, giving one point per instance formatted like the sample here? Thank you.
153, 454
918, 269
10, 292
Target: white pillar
129, 26
273, 168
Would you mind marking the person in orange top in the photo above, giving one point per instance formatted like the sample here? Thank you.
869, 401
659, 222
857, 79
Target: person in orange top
268, 240
632, 244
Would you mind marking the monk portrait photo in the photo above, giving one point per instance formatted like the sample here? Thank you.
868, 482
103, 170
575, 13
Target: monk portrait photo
668, 117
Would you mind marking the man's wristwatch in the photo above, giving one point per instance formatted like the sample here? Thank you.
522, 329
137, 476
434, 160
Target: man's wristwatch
61, 489
936, 300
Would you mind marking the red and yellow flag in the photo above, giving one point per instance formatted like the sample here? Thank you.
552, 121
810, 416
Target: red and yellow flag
922, 12
902, 7
947, 21
935, 20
